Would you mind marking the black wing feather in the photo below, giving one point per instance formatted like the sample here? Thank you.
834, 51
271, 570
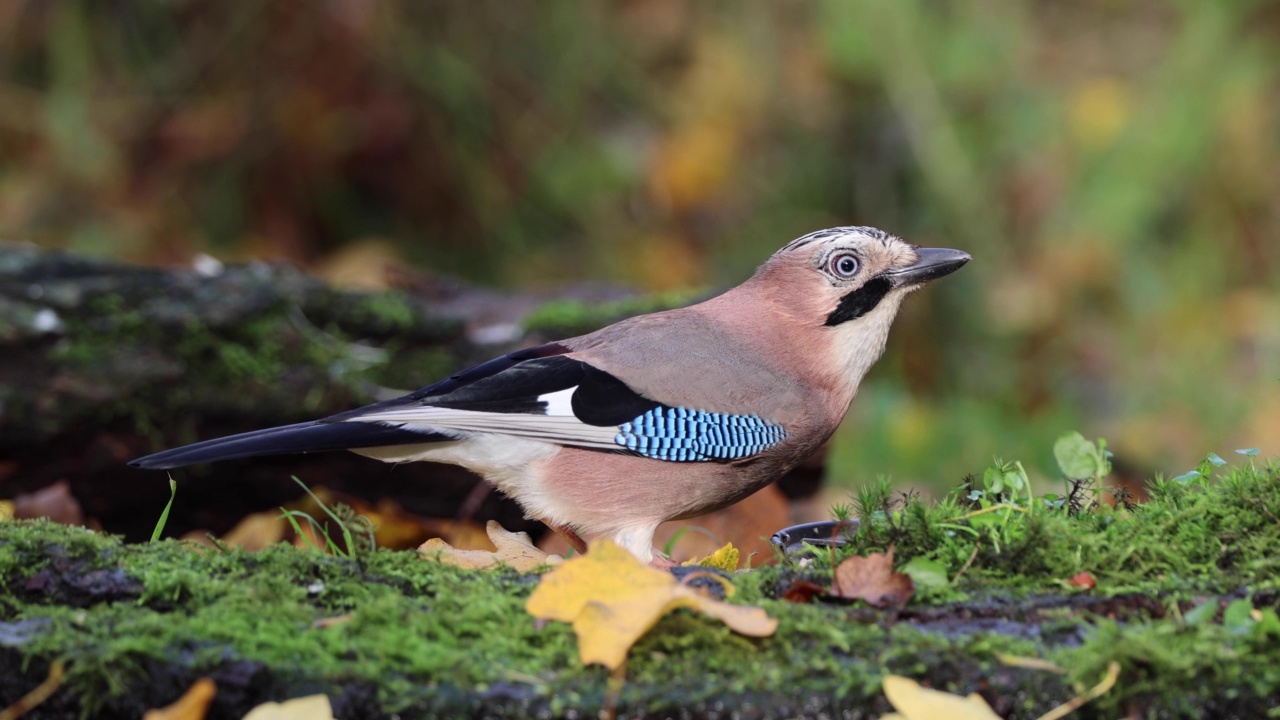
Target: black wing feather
300, 438
451, 386
508, 384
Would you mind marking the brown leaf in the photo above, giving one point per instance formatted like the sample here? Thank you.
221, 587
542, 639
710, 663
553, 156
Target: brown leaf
514, 550
803, 592
1084, 579
54, 502
872, 579
257, 531
193, 705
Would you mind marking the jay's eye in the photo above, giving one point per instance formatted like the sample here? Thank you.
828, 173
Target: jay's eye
843, 265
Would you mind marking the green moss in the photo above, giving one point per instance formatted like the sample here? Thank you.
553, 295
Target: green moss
390, 310
1194, 536
421, 635
573, 317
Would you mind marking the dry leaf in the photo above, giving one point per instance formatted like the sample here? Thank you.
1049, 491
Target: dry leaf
54, 502
398, 529
803, 592
914, 702
1030, 663
872, 579
514, 550
726, 558
1084, 580
613, 599
311, 707
193, 705
257, 531
6, 510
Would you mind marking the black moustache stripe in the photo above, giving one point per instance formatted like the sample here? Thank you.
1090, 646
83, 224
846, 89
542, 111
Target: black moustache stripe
860, 302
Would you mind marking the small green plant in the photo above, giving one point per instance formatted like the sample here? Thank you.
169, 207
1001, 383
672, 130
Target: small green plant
164, 515
1084, 465
344, 517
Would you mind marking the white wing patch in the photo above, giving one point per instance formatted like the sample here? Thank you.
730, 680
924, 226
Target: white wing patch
559, 425
559, 403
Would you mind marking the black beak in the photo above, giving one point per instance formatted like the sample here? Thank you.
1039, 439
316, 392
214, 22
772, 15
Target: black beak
933, 264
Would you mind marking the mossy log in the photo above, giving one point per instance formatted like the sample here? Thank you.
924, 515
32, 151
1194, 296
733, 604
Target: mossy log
1183, 615
101, 362
137, 624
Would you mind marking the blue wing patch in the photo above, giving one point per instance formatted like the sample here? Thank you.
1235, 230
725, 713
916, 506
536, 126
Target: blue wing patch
681, 435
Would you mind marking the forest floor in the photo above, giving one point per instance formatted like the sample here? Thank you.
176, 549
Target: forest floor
1027, 601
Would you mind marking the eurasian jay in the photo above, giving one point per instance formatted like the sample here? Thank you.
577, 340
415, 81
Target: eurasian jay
654, 418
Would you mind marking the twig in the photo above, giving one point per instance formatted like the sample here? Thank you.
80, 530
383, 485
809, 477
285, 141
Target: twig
42, 692
1075, 703
612, 690
976, 547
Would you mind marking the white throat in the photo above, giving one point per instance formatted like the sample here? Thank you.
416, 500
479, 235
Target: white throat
859, 343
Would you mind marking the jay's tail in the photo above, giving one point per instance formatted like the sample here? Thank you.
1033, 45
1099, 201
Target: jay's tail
286, 440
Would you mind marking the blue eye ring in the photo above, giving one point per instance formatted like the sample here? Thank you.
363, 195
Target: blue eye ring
844, 265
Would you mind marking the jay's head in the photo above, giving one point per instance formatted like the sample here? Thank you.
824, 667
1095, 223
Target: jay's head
841, 275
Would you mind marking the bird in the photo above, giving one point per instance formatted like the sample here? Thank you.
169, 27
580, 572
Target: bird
658, 417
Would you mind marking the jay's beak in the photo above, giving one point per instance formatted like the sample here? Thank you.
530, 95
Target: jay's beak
933, 264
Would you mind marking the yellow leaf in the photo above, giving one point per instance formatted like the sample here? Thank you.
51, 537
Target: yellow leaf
514, 550
311, 707
612, 600
6, 510
193, 705
914, 702
726, 558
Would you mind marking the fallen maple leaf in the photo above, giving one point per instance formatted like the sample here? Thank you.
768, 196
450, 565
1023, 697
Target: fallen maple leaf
726, 558
193, 705
514, 550
872, 579
612, 600
914, 702
311, 707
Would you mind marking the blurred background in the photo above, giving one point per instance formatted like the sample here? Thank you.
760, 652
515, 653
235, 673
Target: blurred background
1112, 165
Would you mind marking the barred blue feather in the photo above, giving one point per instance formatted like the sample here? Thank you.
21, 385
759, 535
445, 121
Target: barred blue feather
682, 435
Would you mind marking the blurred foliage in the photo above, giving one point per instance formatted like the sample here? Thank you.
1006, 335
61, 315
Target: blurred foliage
1113, 166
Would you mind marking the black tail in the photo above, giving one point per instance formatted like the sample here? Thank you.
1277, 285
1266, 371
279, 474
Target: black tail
301, 438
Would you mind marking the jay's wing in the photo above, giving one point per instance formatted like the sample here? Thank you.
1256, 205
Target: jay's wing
542, 393
561, 399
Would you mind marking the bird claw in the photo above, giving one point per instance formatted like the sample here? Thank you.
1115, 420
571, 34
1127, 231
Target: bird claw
662, 562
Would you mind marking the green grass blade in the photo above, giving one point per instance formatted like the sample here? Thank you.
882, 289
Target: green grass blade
164, 516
